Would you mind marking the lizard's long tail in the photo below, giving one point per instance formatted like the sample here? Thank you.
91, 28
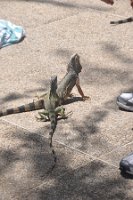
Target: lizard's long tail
24, 108
53, 120
130, 19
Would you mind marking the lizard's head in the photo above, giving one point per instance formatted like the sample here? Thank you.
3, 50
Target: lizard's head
53, 83
74, 64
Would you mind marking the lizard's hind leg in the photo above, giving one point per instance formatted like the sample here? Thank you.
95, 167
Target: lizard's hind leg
43, 116
60, 111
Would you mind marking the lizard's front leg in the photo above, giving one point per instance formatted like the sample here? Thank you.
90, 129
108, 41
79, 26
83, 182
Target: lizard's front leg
80, 91
61, 112
43, 116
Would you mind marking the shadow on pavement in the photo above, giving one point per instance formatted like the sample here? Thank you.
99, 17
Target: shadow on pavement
68, 5
92, 180
116, 52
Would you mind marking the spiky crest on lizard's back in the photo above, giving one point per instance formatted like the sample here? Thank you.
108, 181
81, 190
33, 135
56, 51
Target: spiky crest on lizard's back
52, 110
64, 89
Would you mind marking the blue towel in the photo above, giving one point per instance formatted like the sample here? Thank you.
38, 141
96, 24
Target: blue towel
10, 33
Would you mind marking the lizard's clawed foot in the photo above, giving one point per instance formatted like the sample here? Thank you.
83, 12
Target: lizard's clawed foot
40, 119
36, 98
86, 98
68, 114
71, 95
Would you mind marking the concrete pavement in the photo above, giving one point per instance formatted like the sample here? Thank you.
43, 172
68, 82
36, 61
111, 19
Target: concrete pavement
91, 142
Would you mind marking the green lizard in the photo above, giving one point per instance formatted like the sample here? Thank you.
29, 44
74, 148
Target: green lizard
70, 79
64, 89
52, 110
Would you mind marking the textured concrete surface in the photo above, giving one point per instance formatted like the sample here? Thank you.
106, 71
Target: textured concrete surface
92, 141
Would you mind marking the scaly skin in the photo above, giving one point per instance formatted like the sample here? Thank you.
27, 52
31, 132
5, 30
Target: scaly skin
71, 79
52, 110
122, 21
64, 89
